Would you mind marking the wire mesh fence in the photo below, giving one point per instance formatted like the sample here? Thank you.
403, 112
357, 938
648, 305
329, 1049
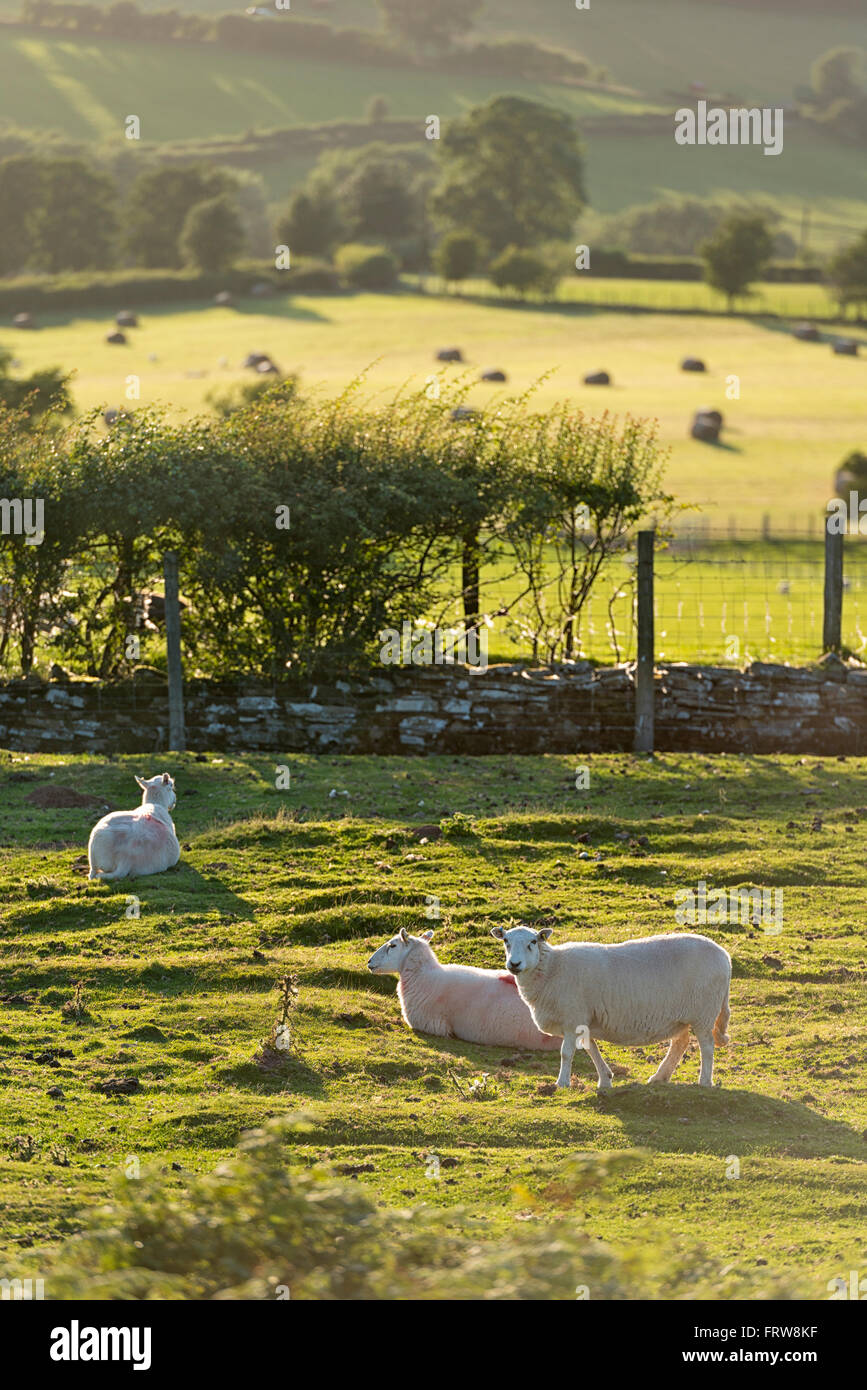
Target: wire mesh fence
730, 601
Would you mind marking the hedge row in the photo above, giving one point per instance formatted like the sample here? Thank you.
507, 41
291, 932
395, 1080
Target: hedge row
284, 33
118, 288
624, 265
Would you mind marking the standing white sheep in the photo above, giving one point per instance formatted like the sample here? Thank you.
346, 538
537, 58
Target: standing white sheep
646, 991
127, 844
457, 1001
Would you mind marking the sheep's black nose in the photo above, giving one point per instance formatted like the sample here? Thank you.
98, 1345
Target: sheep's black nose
514, 968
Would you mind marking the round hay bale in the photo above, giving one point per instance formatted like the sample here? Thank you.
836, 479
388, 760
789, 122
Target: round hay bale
126, 319
254, 358
845, 347
225, 298
450, 355
597, 379
267, 368
117, 338
463, 412
493, 374
706, 426
692, 364
806, 333
23, 321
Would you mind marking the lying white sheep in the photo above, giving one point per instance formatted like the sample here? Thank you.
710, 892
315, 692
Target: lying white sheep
457, 1001
646, 991
127, 844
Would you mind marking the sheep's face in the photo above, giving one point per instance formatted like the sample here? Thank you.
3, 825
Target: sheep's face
159, 790
391, 958
522, 947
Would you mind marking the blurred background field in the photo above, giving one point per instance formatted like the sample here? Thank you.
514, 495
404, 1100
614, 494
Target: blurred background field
800, 410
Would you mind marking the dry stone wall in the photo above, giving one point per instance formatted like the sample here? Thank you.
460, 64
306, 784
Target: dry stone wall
506, 709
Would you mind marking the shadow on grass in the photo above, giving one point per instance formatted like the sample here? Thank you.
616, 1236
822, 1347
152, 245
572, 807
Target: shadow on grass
183, 888
294, 1074
723, 1122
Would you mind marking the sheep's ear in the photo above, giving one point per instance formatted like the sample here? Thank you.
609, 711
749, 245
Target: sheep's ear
426, 935
498, 933
141, 781
544, 933
404, 936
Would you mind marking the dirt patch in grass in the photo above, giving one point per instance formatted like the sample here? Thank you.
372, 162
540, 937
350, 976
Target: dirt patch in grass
59, 797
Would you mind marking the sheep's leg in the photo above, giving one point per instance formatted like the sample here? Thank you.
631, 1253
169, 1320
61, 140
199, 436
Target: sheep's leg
705, 1042
676, 1049
567, 1052
603, 1071
122, 871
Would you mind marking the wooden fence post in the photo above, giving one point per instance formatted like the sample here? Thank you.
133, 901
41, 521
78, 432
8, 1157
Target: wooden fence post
177, 738
832, 627
644, 691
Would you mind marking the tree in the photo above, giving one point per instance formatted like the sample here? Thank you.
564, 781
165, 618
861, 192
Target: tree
46, 390
376, 198
56, 214
736, 254
21, 195
311, 225
158, 204
523, 271
511, 172
457, 256
378, 109
836, 76
576, 496
429, 26
848, 273
212, 237
374, 193
367, 267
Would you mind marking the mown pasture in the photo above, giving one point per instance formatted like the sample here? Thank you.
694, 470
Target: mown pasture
799, 410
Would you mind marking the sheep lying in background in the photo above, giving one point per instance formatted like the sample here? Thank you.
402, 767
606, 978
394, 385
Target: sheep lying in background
457, 1001
126, 844
646, 991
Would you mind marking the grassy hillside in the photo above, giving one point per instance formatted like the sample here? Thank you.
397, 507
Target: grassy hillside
179, 998
86, 87
800, 408
653, 48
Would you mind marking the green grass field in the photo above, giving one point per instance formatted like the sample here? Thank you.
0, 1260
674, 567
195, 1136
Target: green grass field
269, 882
800, 409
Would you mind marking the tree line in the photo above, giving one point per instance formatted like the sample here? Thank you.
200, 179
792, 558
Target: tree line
498, 192
306, 527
